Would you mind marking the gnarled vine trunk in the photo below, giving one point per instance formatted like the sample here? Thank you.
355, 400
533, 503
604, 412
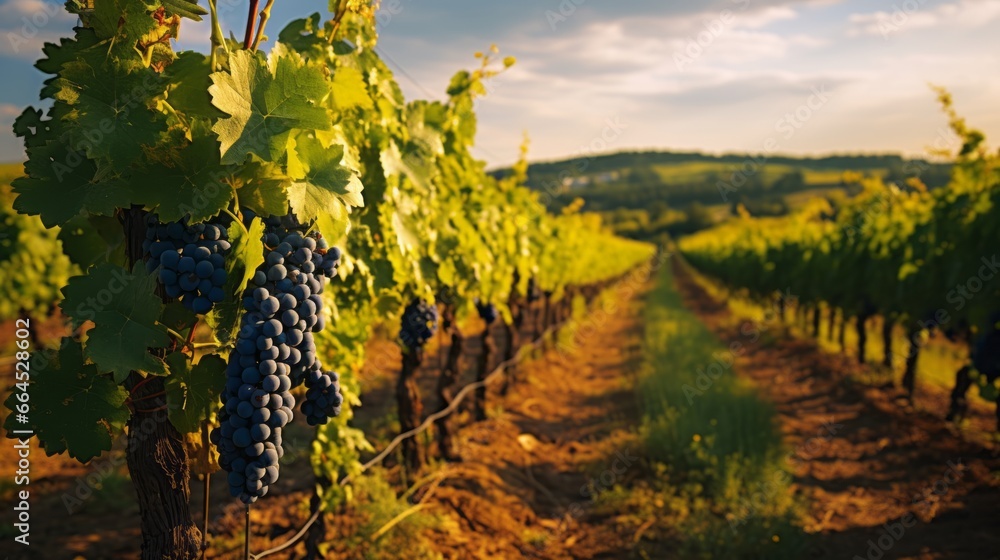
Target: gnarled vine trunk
156, 457
912, 356
513, 332
482, 370
887, 325
831, 323
859, 324
546, 319
446, 383
409, 407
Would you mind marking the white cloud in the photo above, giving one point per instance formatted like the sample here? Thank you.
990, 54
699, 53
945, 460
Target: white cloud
8, 111
911, 16
26, 25
765, 17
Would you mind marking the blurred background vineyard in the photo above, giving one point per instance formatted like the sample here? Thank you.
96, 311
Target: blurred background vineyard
617, 275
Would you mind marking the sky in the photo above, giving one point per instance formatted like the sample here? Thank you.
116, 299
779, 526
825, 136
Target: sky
801, 77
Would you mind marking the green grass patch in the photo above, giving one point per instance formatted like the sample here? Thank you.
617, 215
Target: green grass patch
714, 440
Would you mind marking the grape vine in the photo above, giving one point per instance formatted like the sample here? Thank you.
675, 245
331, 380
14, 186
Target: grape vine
188, 191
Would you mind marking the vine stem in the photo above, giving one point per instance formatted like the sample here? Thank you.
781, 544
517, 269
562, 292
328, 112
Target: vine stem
151, 410
217, 38
338, 15
265, 15
174, 333
190, 337
237, 220
141, 383
206, 492
147, 397
251, 17
246, 538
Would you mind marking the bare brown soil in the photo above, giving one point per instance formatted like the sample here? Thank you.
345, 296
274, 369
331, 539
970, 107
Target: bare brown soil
519, 491
864, 457
516, 493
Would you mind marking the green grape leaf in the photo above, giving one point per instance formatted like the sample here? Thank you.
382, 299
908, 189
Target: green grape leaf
184, 8
124, 309
411, 165
125, 20
246, 254
91, 240
349, 91
29, 125
300, 34
74, 409
110, 119
265, 189
193, 185
67, 50
265, 101
59, 183
322, 189
177, 317
189, 81
193, 392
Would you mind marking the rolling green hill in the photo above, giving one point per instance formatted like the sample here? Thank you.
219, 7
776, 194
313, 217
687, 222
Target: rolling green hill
642, 194
639, 179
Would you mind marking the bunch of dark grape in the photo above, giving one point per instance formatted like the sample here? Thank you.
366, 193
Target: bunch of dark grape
274, 353
419, 322
257, 405
487, 312
323, 398
191, 261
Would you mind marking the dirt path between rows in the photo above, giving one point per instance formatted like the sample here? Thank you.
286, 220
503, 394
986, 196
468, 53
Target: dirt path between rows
517, 493
861, 459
